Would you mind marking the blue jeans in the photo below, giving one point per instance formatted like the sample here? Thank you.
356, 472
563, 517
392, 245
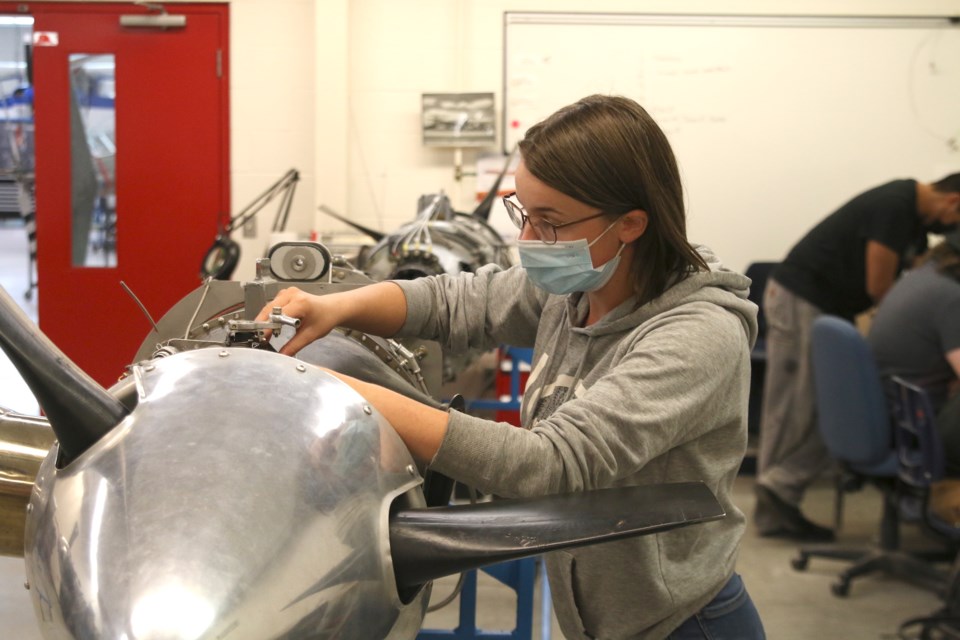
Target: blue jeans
729, 616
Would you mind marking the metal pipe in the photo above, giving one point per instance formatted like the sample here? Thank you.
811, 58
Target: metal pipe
24, 443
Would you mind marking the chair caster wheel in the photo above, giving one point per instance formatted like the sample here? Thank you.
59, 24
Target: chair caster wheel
800, 562
840, 589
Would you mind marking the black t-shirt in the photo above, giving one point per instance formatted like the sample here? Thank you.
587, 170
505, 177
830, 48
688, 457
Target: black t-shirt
827, 266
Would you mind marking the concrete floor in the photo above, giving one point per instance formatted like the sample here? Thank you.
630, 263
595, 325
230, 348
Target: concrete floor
793, 605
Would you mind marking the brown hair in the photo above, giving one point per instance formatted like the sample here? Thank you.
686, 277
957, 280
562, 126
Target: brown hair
948, 184
945, 258
607, 152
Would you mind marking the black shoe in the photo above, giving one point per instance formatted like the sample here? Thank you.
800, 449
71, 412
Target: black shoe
783, 520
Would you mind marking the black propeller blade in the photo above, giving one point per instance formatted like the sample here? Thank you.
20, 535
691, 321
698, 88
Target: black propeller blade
80, 411
431, 543
486, 205
376, 235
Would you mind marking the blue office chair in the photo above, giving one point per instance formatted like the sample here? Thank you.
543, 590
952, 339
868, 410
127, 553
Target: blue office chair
922, 462
921, 456
856, 427
920, 451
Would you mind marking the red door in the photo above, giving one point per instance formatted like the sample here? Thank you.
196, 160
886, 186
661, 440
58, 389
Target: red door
159, 194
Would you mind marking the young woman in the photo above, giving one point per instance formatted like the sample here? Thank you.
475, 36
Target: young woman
640, 369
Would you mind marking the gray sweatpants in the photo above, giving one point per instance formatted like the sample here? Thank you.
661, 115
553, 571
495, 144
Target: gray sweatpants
792, 453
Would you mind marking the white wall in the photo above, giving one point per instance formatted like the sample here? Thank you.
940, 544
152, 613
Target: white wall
273, 63
333, 87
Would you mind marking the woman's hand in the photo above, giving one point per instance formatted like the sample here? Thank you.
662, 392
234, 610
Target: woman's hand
378, 309
317, 314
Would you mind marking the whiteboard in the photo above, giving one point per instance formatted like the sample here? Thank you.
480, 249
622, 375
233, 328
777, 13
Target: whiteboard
775, 122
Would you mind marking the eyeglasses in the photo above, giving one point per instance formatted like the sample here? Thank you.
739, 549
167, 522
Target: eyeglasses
545, 231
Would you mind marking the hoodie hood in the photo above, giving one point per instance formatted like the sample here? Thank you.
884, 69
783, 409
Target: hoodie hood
719, 285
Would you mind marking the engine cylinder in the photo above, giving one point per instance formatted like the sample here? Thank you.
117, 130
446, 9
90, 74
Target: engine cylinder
24, 443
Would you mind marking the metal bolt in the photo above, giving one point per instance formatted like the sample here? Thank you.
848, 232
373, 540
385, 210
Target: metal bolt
206, 326
301, 368
224, 353
411, 470
367, 409
29, 508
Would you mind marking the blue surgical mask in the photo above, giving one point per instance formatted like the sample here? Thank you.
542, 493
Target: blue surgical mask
566, 266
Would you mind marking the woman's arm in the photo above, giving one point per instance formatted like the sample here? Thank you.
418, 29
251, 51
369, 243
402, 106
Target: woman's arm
681, 389
421, 428
378, 309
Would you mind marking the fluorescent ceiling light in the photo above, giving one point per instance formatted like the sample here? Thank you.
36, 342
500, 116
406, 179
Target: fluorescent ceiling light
16, 21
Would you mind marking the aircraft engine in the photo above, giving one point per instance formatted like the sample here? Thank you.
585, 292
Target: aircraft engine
439, 241
223, 490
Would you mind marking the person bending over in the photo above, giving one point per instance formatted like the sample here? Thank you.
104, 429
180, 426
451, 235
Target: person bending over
843, 266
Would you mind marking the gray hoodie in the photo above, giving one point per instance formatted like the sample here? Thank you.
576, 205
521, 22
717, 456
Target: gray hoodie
646, 395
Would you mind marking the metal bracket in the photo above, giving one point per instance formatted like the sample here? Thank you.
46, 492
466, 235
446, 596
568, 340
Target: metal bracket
159, 20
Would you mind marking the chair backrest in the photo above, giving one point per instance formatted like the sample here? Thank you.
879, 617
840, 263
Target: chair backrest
920, 452
852, 412
758, 272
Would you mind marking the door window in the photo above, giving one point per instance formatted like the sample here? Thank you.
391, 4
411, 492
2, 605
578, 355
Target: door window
93, 153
